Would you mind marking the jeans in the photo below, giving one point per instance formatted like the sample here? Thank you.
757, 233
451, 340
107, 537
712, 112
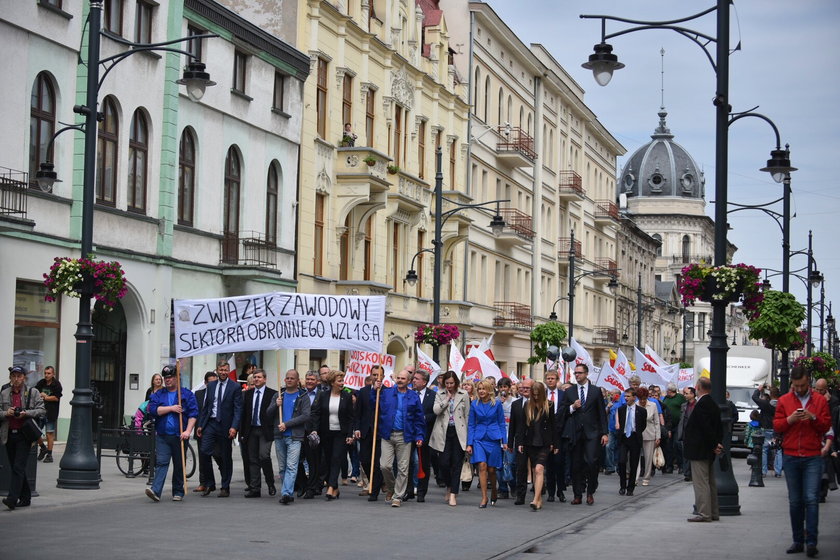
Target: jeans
765, 451
803, 475
288, 456
166, 448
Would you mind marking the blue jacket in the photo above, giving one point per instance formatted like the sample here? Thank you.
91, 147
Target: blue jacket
161, 398
414, 422
487, 423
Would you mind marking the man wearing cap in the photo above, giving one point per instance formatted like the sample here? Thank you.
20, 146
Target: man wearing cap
174, 421
17, 404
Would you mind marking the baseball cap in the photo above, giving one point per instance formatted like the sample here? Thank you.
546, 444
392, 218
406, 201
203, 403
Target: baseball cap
17, 369
167, 371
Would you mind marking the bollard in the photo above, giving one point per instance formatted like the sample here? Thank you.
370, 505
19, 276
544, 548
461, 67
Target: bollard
755, 459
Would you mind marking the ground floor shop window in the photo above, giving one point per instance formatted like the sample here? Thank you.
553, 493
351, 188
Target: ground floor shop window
36, 331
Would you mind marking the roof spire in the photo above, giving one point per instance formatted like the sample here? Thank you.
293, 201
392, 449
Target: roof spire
662, 130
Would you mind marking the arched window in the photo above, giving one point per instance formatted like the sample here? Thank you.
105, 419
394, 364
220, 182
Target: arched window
233, 183
272, 190
500, 121
106, 154
41, 122
344, 251
186, 178
659, 248
138, 155
486, 98
686, 249
475, 91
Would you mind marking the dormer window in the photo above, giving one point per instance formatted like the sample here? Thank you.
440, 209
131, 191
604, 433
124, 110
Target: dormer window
656, 182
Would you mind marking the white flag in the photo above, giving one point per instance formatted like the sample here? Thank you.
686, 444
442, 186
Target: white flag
647, 371
424, 361
456, 360
583, 356
654, 357
622, 364
609, 379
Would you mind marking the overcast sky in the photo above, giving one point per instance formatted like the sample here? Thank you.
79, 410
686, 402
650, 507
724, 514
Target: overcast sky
784, 66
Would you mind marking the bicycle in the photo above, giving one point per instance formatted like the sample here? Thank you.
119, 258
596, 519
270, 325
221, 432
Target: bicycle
135, 448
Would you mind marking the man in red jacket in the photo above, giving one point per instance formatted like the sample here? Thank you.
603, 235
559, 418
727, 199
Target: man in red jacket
802, 418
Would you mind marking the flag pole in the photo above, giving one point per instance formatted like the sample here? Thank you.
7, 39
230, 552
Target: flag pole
375, 436
181, 425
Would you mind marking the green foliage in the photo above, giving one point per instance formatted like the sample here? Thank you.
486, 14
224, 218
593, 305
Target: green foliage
686, 365
778, 320
545, 335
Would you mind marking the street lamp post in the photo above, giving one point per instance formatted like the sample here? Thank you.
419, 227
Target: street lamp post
79, 468
497, 224
639, 313
574, 279
602, 63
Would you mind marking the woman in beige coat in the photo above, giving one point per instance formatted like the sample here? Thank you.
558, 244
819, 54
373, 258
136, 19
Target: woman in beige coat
651, 435
449, 434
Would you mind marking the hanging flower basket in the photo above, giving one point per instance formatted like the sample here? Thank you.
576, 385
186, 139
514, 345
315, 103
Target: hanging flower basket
727, 283
820, 364
103, 280
436, 335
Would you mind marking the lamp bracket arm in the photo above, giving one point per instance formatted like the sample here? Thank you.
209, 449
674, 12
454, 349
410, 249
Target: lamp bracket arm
414, 258
80, 127
458, 207
737, 116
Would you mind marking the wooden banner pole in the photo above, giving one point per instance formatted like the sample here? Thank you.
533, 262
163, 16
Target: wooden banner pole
181, 425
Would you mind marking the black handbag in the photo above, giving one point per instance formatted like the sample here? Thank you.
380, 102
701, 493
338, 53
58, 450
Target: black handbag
30, 429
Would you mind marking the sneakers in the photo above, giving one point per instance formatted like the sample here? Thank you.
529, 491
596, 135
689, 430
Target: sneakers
43, 452
48, 458
396, 502
152, 496
177, 498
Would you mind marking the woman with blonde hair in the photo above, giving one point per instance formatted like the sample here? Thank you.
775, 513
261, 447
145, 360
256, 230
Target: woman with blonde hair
486, 438
538, 436
468, 385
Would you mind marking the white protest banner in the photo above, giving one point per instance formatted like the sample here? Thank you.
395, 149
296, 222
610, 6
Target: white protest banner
622, 364
359, 364
424, 361
685, 378
278, 320
610, 379
647, 370
583, 356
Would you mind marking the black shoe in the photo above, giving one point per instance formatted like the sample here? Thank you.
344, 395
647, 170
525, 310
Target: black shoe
609, 472
687, 479
629, 492
562, 497
286, 500
622, 491
224, 493
421, 498
9, 503
48, 458
272, 490
249, 494
504, 495
465, 486
811, 551
309, 495
300, 493
23, 503
795, 548
43, 452
208, 490
519, 502
551, 498
373, 497
408, 497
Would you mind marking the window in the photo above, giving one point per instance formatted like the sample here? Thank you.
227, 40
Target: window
277, 101
452, 149
398, 129
395, 254
41, 123
368, 249
321, 99
233, 183
421, 149
37, 329
194, 46
486, 99
347, 100
272, 189
138, 150
475, 91
113, 16
106, 154
186, 178
658, 237
143, 23
421, 242
318, 269
344, 250
369, 115
686, 249
53, 3
240, 61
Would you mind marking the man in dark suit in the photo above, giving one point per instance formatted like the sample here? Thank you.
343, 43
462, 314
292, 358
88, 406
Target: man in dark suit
218, 424
366, 436
517, 418
309, 484
631, 423
555, 478
199, 398
420, 383
257, 433
702, 442
586, 428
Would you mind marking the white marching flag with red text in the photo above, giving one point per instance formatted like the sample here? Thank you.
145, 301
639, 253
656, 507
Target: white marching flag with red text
424, 361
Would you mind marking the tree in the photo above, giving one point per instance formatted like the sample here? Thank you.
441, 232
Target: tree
545, 335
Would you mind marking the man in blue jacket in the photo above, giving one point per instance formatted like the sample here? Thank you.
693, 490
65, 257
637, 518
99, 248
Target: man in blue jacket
174, 422
401, 422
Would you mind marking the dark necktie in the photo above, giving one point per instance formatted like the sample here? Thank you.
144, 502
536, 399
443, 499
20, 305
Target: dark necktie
582, 396
255, 420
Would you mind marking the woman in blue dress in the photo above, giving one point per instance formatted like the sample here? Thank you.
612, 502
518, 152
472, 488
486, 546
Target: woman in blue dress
486, 437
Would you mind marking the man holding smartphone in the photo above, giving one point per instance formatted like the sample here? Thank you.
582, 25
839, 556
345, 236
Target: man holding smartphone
802, 418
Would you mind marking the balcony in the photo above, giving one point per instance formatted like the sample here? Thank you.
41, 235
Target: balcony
14, 187
518, 227
608, 266
688, 259
248, 249
563, 247
605, 336
515, 147
512, 315
360, 182
571, 186
606, 211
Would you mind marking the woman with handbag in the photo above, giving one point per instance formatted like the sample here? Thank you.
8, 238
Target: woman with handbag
651, 435
19, 407
449, 434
